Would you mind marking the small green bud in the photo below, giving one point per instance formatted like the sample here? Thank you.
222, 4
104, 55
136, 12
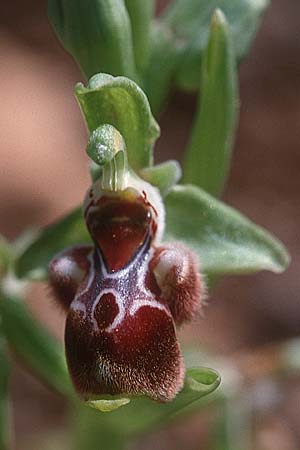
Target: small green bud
97, 33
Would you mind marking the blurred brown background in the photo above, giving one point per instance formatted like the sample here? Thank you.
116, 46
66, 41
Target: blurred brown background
44, 174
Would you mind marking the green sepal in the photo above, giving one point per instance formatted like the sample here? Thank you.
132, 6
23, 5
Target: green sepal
164, 176
70, 230
188, 22
97, 33
225, 240
120, 102
208, 154
39, 351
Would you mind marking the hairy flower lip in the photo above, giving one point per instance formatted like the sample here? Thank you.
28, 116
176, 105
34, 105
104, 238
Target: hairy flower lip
142, 357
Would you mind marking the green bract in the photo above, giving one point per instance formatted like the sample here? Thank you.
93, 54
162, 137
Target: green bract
208, 154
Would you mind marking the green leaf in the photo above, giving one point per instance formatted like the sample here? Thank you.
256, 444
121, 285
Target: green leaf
142, 414
33, 344
120, 102
4, 397
140, 13
225, 241
164, 176
71, 230
208, 154
188, 22
97, 33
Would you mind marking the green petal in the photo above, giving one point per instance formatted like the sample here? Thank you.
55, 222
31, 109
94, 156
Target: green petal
225, 240
164, 176
71, 230
209, 151
120, 102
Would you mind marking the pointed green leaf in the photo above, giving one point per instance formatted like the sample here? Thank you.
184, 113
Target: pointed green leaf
40, 352
97, 33
164, 176
225, 240
68, 231
4, 398
188, 22
208, 154
120, 102
140, 13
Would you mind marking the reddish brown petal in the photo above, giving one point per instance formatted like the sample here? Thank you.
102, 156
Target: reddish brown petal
177, 274
66, 272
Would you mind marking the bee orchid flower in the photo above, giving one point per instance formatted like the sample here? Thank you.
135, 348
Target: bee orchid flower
125, 294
